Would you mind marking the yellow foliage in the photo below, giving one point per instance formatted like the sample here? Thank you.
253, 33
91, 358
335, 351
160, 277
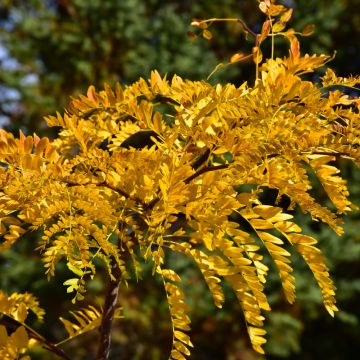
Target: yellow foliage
13, 313
87, 319
126, 177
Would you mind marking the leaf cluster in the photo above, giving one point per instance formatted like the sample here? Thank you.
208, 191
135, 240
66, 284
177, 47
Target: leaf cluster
160, 165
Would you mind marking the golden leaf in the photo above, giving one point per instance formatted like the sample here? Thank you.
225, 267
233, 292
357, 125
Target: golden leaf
20, 338
3, 336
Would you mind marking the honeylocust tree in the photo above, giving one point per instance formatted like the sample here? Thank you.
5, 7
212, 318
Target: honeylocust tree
173, 165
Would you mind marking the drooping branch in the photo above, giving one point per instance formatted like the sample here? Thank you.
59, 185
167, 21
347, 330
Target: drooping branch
12, 325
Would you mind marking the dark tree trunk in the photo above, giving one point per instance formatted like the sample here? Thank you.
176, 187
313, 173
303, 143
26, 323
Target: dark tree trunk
108, 314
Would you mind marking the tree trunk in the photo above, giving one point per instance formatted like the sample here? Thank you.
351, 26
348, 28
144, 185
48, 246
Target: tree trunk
108, 314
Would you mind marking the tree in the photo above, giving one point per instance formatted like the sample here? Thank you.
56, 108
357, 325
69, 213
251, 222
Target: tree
66, 45
51, 50
181, 166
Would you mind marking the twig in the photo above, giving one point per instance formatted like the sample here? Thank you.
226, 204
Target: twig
242, 22
336, 154
204, 170
119, 191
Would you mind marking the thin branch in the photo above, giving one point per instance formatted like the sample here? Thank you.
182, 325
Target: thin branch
242, 22
336, 154
314, 152
119, 191
151, 204
201, 160
204, 170
257, 45
12, 325
109, 186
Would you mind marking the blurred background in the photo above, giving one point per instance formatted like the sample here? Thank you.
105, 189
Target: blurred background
53, 49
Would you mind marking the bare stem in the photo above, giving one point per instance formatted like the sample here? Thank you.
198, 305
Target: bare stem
204, 170
257, 57
242, 22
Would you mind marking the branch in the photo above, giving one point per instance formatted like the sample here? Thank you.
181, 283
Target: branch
201, 160
314, 152
109, 186
336, 154
119, 191
12, 325
225, 166
242, 22
204, 170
